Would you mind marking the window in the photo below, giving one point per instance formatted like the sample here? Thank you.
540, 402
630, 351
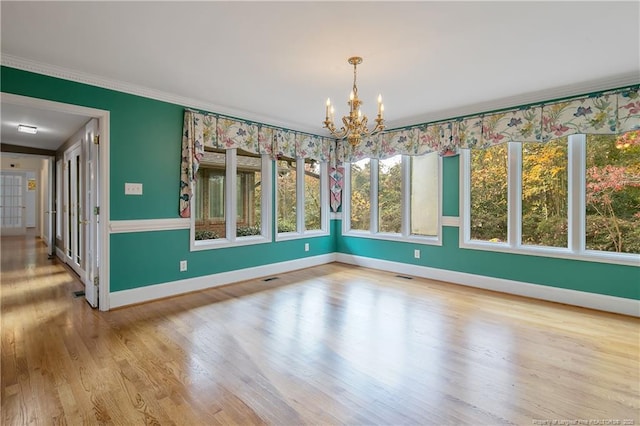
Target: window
573, 197
545, 193
489, 194
424, 189
287, 195
302, 197
359, 199
612, 193
228, 200
397, 198
390, 195
312, 196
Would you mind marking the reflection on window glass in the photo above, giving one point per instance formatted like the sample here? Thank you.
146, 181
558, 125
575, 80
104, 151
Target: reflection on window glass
489, 194
249, 195
613, 192
287, 198
209, 194
390, 194
424, 195
545, 193
312, 202
361, 195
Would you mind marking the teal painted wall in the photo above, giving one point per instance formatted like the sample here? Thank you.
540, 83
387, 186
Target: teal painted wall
145, 147
145, 258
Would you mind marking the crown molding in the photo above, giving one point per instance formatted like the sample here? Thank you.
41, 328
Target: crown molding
36, 67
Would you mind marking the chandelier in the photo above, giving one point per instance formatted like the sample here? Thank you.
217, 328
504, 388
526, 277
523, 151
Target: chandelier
355, 124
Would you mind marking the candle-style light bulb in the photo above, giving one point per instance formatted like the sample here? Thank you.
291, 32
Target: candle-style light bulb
328, 106
351, 96
381, 110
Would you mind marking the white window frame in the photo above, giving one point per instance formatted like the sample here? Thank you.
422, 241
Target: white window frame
405, 233
301, 232
231, 207
576, 250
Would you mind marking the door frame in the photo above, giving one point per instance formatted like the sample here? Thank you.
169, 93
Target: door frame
102, 225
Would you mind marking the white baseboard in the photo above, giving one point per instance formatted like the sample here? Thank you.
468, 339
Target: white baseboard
158, 291
60, 255
602, 302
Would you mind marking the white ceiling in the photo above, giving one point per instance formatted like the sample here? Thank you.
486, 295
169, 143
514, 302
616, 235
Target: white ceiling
277, 62
54, 127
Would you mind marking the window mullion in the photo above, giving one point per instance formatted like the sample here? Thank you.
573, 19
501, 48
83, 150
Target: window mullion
373, 228
576, 193
514, 194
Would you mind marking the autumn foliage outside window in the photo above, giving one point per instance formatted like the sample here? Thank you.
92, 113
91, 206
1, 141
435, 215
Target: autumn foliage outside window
613, 192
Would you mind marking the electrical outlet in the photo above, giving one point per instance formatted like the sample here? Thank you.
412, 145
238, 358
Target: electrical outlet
416, 254
183, 265
133, 189
306, 246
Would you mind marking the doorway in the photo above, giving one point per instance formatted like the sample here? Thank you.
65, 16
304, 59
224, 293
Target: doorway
78, 192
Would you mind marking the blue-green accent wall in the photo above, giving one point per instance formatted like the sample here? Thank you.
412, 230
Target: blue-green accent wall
145, 145
593, 277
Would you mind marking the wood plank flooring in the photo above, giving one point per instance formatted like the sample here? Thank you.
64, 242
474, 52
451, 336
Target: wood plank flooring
329, 345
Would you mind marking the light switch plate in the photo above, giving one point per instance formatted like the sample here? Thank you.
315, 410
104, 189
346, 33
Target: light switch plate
132, 189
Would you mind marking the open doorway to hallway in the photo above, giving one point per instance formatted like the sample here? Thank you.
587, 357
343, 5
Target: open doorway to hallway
61, 167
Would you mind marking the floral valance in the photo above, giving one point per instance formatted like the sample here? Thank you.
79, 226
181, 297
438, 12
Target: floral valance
201, 130
611, 112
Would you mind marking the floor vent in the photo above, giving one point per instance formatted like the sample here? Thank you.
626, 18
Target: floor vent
79, 293
404, 277
270, 279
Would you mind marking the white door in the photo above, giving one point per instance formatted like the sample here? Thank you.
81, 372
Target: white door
75, 222
12, 195
91, 209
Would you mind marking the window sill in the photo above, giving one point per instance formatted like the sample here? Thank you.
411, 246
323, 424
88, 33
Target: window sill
414, 239
285, 236
627, 259
224, 243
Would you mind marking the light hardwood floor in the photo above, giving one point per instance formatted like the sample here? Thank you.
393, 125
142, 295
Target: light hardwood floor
333, 344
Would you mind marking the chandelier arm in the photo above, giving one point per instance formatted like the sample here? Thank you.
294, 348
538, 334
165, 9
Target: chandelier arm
339, 134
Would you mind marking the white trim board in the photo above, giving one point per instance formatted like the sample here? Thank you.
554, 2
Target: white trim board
601, 302
158, 291
145, 225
